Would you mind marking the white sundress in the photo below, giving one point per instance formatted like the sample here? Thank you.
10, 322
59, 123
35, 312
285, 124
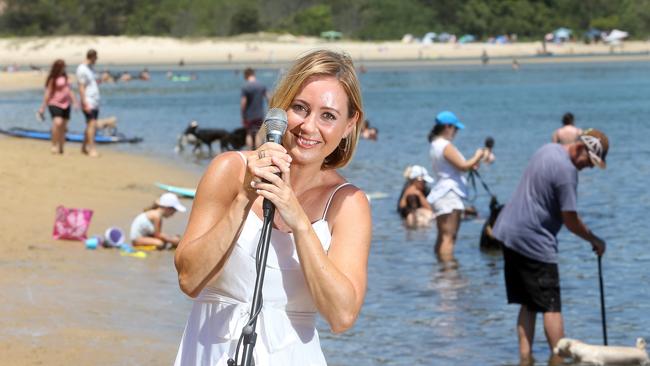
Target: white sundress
286, 328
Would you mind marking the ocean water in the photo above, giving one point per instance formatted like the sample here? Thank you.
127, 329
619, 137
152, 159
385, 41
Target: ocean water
418, 311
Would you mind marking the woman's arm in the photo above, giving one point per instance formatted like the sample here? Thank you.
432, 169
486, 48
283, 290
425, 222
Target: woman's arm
456, 159
218, 213
423, 201
337, 278
46, 97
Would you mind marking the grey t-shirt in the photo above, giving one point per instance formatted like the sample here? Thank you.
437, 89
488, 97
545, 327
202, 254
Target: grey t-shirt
255, 93
529, 223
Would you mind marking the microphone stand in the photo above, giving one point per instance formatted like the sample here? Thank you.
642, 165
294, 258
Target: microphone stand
248, 333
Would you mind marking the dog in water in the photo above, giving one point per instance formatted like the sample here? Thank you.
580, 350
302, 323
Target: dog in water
602, 355
197, 137
488, 241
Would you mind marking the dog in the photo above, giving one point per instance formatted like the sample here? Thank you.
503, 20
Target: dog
488, 241
602, 355
193, 135
107, 126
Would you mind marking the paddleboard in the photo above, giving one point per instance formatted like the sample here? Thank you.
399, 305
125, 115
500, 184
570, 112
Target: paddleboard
70, 136
185, 192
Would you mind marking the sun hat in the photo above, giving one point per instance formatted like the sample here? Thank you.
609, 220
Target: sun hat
418, 171
170, 200
597, 145
449, 118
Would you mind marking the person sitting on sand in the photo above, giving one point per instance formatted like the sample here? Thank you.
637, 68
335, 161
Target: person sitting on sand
568, 133
413, 205
146, 229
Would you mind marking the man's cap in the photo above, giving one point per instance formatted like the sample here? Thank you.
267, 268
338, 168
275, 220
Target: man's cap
597, 145
418, 171
449, 118
170, 200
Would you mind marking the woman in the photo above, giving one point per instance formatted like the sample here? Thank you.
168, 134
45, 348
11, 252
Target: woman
450, 188
146, 228
319, 247
58, 97
413, 205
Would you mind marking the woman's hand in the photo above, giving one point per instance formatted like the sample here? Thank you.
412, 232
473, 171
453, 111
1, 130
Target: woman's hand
277, 189
261, 160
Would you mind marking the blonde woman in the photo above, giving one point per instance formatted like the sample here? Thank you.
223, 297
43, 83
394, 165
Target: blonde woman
319, 248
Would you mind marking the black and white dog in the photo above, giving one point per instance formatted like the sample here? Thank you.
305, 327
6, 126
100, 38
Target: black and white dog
197, 137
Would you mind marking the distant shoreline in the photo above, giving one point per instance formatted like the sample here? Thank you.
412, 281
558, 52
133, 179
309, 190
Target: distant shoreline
158, 53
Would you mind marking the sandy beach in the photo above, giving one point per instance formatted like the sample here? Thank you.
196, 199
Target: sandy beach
62, 300
276, 51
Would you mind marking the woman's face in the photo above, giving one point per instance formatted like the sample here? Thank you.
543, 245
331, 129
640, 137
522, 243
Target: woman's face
168, 211
318, 120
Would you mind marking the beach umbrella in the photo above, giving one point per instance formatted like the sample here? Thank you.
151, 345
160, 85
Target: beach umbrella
331, 35
429, 38
562, 34
616, 36
467, 38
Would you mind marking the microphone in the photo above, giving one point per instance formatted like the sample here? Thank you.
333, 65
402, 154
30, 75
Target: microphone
274, 126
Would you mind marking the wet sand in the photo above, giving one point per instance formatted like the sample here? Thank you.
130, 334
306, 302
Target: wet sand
64, 304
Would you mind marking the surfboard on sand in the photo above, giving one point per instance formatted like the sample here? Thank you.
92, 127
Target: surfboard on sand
69, 136
181, 191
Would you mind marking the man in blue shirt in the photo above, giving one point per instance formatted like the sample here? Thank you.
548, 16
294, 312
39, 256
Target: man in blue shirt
528, 225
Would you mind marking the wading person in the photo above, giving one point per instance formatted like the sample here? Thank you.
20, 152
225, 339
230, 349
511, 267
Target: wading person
320, 243
253, 95
446, 196
568, 133
528, 225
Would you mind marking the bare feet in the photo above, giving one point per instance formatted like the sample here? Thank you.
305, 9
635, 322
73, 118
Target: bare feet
93, 154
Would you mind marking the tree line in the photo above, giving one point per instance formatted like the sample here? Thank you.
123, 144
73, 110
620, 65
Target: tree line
356, 19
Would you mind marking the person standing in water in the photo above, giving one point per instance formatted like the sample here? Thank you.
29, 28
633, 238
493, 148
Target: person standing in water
253, 96
446, 196
527, 227
568, 133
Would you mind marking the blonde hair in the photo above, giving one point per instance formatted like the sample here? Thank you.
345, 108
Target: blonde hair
325, 63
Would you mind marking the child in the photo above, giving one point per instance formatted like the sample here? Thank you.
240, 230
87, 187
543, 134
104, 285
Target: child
146, 229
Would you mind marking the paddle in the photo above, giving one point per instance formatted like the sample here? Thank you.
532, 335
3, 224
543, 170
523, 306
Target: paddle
602, 299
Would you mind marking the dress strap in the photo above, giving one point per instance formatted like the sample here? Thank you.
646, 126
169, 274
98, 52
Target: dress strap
329, 200
243, 157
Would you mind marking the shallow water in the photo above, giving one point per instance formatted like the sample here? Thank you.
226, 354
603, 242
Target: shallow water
417, 311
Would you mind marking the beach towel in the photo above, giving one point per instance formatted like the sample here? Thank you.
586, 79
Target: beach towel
71, 223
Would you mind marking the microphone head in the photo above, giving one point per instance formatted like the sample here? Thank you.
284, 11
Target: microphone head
275, 124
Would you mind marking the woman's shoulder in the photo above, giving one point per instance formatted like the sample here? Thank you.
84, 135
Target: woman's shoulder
229, 160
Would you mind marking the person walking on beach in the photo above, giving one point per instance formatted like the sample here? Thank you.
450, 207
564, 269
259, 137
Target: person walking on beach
318, 255
527, 228
568, 133
446, 196
146, 228
253, 96
58, 98
89, 97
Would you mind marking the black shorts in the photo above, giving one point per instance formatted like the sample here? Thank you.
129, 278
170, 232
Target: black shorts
532, 283
59, 112
94, 113
253, 126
